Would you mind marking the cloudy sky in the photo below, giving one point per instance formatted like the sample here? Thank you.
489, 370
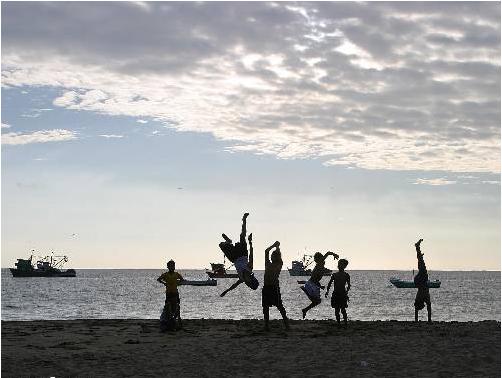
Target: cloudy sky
137, 132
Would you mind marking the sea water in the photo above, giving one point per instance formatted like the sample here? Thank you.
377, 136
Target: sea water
135, 294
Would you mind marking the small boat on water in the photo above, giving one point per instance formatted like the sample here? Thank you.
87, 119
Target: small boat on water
299, 268
48, 266
399, 283
208, 282
219, 271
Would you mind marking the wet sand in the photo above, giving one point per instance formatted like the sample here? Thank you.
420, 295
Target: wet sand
220, 348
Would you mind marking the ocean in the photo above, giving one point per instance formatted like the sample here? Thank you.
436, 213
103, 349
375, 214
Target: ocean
135, 294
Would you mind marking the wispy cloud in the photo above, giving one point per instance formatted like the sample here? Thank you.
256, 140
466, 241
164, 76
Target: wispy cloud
111, 136
6, 126
142, 121
43, 136
434, 182
396, 86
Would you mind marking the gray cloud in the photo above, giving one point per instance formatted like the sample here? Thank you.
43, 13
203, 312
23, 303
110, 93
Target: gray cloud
352, 83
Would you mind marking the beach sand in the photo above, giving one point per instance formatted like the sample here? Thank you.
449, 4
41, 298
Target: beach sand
218, 348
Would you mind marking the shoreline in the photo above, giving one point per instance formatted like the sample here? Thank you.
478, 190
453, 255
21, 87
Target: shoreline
211, 347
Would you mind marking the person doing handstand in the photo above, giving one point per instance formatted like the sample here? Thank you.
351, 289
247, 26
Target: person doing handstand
238, 255
422, 277
271, 292
340, 298
313, 286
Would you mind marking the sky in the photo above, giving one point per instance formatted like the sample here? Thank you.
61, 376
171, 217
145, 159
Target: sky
137, 132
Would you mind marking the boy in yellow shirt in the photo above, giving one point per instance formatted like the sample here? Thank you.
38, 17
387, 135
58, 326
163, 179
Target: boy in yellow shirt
170, 280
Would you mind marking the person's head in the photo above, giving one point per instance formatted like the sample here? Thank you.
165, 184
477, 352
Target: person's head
342, 264
250, 280
276, 257
318, 258
171, 265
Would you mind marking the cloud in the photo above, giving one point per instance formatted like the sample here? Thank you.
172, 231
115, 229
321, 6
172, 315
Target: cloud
111, 136
434, 182
6, 126
43, 136
396, 86
141, 121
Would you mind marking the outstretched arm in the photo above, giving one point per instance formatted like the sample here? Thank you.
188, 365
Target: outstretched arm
329, 285
250, 261
243, 230
237, 283
335, 256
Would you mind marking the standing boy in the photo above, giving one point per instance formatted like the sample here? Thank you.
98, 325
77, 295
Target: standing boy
340, 298
271, 292
172, 303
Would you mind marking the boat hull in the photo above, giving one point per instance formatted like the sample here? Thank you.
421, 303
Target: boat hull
198, 283
224, 275
296, 273
37, 273
401, 284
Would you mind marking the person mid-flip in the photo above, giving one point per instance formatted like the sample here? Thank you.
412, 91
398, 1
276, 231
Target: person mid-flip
340, 298
313, 286
238, 255
271, 292
423, 297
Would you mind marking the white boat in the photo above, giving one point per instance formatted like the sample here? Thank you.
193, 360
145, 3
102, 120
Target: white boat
299, 268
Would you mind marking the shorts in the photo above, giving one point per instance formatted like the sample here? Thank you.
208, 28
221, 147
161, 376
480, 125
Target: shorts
173, 296
423, 297
271, 296
339, 300
312, 290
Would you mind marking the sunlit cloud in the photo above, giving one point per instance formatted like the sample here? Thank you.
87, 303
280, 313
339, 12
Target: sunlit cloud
392, 86
43, 136
111, 136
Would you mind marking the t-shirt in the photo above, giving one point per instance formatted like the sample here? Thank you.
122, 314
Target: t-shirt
171, 280
339, 281
272, 271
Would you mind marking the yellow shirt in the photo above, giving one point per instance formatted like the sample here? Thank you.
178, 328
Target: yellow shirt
171, 280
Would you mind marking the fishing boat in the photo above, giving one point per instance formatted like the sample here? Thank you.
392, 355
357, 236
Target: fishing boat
219, 271
48, 266
208, 282
399, 283
299, 268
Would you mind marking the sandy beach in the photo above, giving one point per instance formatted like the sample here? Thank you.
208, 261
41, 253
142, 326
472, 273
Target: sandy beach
215, 348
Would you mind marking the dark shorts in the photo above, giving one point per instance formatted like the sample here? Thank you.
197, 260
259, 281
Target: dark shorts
171, 297
231, 252
339, 300
423, 297
271, 296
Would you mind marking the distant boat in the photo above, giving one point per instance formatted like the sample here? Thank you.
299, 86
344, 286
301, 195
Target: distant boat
208, 282
399, 283
48, 266
299, 268
219, 271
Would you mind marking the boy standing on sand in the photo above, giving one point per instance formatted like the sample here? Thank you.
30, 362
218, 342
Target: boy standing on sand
170, 280
271, 292
339, 298
238, 255
313, 286
423, 297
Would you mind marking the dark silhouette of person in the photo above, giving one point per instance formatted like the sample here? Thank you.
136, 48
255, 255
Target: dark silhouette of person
170, 279
238, 255
271, 292
340, 296
313, 286
421, 278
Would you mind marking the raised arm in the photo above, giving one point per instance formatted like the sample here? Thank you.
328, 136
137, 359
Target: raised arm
243, 230
237, 283
335, 256
250, 261
267, 252
329, 285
